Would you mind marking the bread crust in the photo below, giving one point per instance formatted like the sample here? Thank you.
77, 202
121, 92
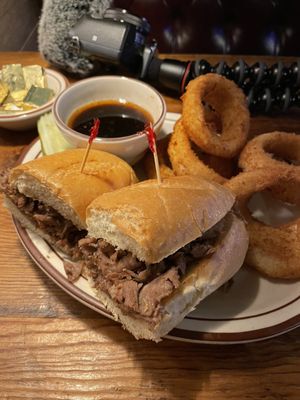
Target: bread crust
153, 221
206, 276
56, 180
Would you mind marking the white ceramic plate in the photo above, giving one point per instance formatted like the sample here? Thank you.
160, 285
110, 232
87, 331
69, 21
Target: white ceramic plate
251, 308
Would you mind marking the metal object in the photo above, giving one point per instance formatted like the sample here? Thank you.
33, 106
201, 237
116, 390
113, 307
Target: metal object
118, 40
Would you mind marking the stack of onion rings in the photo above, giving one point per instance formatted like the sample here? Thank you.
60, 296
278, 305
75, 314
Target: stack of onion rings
274, 150
213, 129
228, 102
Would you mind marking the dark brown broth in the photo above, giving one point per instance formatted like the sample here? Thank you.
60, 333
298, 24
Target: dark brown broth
116, 119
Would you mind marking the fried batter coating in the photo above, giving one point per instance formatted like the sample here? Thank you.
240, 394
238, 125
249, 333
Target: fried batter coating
226, 134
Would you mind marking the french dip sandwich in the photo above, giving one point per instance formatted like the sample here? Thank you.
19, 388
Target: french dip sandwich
154, 251
50, 195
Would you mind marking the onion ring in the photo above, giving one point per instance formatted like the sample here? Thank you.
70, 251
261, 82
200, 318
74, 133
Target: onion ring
184, 160
228, 102
279, 150
245, 184
274, 251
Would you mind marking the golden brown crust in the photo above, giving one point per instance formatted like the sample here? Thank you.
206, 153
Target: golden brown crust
278, 151
229, 103
271, 150
273, 250
184, 160
246, 183
59, 175
156, 220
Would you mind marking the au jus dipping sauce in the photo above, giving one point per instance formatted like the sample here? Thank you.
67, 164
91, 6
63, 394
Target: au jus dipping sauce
116, 119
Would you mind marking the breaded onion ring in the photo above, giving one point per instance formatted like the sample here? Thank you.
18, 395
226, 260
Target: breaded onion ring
164, 162
279, 150
228, 102
245, 184
274, 251
184, 160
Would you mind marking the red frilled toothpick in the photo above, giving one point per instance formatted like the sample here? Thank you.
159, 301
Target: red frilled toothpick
149, 131
93, 134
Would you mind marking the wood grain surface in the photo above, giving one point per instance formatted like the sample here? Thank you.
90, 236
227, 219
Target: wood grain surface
52, 347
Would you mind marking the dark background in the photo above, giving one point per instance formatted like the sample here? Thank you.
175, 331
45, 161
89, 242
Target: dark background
18, 24
255, 27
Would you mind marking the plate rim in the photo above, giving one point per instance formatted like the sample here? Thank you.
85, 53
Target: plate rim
178, 334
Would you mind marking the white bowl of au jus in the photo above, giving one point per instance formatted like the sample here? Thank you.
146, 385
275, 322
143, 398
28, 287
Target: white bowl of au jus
123, 105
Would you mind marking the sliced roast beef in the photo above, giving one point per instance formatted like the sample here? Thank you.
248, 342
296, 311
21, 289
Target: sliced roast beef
154, 292
64, 234
73, 270
136, 286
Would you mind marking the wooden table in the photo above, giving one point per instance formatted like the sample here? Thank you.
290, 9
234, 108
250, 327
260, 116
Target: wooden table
52, 347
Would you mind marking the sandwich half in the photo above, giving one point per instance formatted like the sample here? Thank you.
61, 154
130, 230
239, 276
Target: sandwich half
50, 195
154, 251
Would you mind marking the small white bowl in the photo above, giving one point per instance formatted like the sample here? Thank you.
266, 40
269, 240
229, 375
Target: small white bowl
28, 119
119, 88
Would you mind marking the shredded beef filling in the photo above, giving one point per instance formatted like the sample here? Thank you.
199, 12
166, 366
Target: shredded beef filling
61, 230
138, 287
